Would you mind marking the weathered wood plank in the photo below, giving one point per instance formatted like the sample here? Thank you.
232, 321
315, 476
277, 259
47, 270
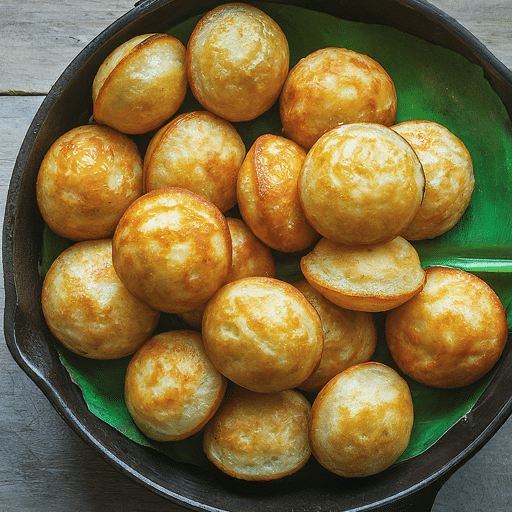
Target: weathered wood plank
39, 39
489, 22
16, 115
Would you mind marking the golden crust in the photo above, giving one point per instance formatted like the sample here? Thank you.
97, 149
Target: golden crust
250, 258
172, 249
262, 334
361, 421
197, 151
141, 84
171, 387
449, 177
259, 437
268, 196
361, 184
450, 334
366, 278
350, 337
88, 309
86, 181
237, 61
335, 86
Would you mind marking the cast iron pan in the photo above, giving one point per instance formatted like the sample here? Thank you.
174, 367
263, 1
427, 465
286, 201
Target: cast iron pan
410, 485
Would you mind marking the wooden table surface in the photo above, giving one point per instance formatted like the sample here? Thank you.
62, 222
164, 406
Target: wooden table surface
44, 466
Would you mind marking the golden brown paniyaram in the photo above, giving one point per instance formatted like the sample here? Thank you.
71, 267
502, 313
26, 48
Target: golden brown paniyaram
262, 334
449, 177
197, 151
141, 84
237, 61
350, 337
361, 421
172, 249
361, 183
259, 436
251, 257
334, 86
86, 181
268, 196
450, 334
88, 309
374, 278
171, 387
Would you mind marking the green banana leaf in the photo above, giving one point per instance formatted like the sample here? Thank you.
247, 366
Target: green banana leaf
432, 83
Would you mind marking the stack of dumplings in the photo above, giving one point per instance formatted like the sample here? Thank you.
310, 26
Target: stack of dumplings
271, 372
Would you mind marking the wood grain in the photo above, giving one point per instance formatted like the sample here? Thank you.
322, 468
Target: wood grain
39, 39
489, 22
44, 466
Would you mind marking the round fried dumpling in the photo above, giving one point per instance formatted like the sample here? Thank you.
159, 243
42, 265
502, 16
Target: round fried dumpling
141, 84
250, 258
172, 249
449, 177
367, 277
197, 151
335, 86
86, 181
171, 387
350, 337
450, 334
361, 184
237, 61
262, 334
259, 436
88, 309
361, 421
268, 196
